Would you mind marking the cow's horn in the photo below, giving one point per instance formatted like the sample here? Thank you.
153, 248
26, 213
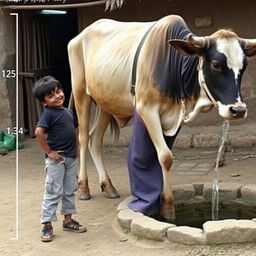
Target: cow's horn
247, 43
199, 41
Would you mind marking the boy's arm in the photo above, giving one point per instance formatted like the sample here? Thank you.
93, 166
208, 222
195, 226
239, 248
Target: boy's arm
40, 134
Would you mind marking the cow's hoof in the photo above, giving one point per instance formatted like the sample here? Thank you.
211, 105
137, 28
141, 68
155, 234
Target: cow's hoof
109, 191
113, 195
167, 212
84, 197
169, 217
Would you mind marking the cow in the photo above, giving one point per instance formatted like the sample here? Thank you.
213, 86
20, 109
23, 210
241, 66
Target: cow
175, 74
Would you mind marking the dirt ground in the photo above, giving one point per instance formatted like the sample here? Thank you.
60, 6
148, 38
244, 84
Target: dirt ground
99, 213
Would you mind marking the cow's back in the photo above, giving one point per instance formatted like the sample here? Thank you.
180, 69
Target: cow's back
107, 48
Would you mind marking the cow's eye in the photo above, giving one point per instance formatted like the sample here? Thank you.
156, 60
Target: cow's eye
216, 66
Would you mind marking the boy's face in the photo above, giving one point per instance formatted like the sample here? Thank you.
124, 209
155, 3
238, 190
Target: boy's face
55, 99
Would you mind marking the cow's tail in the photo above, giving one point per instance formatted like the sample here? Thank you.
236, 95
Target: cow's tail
114, 129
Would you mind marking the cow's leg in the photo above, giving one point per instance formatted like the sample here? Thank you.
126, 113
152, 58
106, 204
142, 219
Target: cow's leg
152, 122
95, 146
83, 105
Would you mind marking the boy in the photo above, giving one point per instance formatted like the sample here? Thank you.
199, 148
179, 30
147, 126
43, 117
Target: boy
60, 147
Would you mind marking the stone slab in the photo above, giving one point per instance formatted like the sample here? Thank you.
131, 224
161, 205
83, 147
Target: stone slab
199, 187
248, 194
208, 140
186, 235
125, 217
150, 228
229, 231
227, 191
183, 141
243, 141
183, 192
123, 204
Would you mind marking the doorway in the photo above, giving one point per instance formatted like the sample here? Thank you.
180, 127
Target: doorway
62, 29
43, 51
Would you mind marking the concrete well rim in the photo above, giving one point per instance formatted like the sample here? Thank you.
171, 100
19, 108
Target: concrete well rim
226, 231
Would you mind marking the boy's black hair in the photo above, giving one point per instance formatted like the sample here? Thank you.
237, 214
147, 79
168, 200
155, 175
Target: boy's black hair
45, 86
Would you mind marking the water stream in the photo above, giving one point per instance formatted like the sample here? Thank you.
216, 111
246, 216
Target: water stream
215, 185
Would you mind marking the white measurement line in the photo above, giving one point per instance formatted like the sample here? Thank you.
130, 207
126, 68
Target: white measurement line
17, 134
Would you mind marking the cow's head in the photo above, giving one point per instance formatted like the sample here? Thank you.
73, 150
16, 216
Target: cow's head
223, 62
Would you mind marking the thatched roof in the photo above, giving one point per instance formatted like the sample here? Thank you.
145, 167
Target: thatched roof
113, 4
36, 4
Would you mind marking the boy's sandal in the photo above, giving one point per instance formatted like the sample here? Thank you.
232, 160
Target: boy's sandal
74, 226
47, 233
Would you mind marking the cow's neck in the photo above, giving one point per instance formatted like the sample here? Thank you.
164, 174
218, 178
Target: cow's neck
189, 84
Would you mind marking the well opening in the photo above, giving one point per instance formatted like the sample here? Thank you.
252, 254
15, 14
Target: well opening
197, 213
236, 224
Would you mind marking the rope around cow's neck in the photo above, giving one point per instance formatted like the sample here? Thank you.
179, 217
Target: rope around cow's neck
205, 98
202, 82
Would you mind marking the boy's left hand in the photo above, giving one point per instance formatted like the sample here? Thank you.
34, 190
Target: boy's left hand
55, 156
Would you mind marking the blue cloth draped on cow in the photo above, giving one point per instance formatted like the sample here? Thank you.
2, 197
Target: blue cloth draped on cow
175, 75
145, 173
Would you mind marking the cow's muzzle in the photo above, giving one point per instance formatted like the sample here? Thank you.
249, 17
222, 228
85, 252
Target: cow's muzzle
238, 112
233, 111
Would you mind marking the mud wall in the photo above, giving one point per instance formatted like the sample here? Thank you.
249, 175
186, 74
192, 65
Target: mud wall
7, 62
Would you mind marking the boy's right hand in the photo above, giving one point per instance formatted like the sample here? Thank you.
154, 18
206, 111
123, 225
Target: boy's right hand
55, 156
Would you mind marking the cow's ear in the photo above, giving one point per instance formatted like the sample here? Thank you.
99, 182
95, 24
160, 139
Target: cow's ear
249, 47
250, 52
186, 47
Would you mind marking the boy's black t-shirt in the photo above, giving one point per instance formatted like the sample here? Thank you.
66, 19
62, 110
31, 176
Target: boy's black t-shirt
60, 127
